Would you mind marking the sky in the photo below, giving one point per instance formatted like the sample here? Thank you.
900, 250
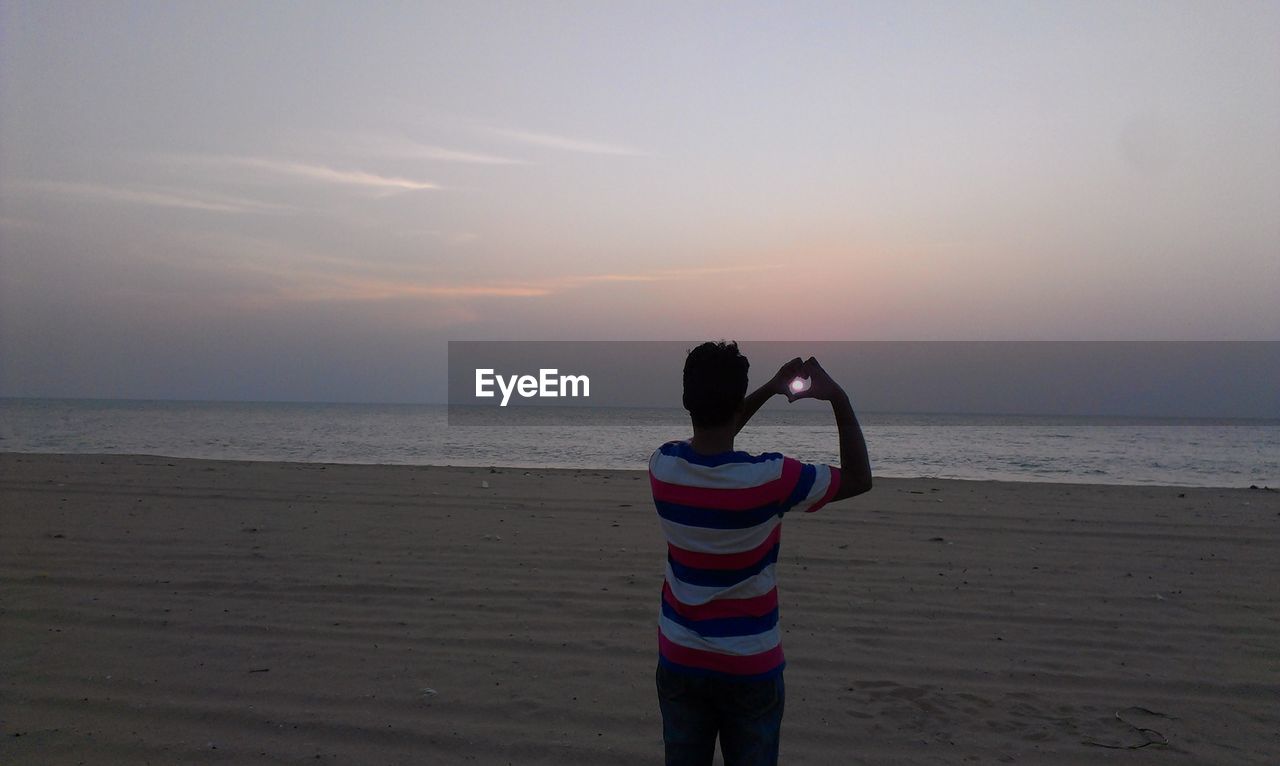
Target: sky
306, 201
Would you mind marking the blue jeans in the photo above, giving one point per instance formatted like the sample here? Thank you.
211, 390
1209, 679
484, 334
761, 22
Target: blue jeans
747, 715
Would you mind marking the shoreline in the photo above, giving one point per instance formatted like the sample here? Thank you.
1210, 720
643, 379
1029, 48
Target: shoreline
194, 611
254, 461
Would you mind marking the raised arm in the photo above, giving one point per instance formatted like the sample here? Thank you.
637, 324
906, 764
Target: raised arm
776, 385
855, 465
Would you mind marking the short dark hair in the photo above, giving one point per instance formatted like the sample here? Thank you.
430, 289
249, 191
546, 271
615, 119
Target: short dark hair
715, 383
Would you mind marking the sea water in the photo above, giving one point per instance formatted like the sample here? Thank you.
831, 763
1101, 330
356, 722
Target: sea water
1183, 452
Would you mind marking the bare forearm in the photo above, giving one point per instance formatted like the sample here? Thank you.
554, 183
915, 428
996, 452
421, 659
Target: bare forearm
855, 464
754, 401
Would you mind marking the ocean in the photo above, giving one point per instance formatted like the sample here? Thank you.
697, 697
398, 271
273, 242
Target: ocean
1104, 450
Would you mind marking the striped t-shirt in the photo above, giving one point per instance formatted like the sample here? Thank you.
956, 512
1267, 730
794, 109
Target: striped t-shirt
722, 517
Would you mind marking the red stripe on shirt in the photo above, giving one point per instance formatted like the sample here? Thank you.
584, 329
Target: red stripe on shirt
728, 499
832, 487
742, 665
725, 560
757, 606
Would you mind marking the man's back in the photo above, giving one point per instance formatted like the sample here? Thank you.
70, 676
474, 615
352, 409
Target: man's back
722, 518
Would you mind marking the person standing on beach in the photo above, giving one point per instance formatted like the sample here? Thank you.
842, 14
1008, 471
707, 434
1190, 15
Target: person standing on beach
720, 658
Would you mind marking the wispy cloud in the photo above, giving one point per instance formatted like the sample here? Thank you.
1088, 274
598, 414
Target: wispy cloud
158, 197
357, 288
276, 270
327, 174
659, 275
428, 152
406, 149
567, 144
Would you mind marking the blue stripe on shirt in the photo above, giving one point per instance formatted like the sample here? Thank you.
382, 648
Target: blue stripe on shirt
808, 474
711, 518
723, 626
704, 673
685, 451
721, 578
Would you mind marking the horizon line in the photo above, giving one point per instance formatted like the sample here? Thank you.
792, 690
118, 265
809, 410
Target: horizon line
1270, 419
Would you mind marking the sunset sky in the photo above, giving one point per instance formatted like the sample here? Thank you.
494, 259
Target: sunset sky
305, 201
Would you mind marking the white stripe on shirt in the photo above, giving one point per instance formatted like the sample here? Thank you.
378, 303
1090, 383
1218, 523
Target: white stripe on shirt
708, 540
734, 645
697, 595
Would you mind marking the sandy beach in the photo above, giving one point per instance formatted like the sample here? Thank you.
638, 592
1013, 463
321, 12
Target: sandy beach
159, 610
